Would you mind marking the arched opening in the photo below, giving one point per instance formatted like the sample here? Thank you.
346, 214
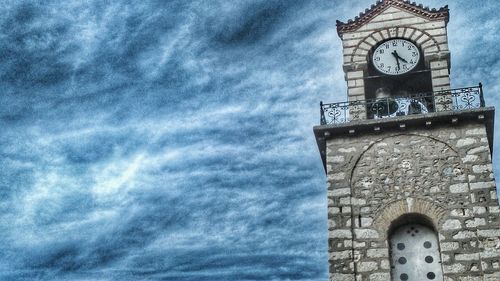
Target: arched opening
414, 249
392, 91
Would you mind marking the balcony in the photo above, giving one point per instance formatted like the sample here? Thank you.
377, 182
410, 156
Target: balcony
413, 113
424, 103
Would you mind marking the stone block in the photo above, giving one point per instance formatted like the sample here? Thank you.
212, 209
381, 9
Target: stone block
465, 234
439, 64
340, 255
333, 210
475, 222
470, 158
441, 81
459, 188
461, 213
479, 169
494, 209
436, 31
331, 224
445, 258
408, 32
341, 277
356, 91
453, 268
492, 253
367, 266
401, 31
340, 192
336, 176
363, 233
449, 246
385, 34
384, 264
358, 201
335, 158
467, 257
429, 25
482, 185
382, 276
470, 278
492, 276
478, 210
348, 51
378, 37
350, 43
423, 39
416, 35
365, 46
359, 244
347, 150
476, 132
377, 253
440, 73
341, 233
444, 47
345, 201
371, 41
442, 39
466, 142
366, 221
488, 233
428, 44
451, 224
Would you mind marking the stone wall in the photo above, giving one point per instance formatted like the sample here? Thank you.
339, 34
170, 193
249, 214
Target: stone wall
444, 174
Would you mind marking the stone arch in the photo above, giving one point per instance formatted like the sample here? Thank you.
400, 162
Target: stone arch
405, 165
367, 148
424, 40
384, 219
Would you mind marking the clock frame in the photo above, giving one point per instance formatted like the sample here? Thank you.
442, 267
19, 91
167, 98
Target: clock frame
395, 57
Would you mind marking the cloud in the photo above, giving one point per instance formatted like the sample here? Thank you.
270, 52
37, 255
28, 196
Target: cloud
172, 140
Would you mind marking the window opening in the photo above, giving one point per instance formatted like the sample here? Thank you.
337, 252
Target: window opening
415, 254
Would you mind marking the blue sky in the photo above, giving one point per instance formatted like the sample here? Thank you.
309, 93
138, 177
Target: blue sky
172, 140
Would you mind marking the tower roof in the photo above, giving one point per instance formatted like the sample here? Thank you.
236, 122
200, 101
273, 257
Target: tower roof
381, 5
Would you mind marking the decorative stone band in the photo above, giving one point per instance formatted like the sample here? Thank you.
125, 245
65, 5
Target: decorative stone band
391, 212
429, 44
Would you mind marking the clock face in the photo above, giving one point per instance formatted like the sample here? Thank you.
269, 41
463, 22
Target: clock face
395, 56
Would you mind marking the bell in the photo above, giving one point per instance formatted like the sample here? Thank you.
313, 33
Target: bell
384, 107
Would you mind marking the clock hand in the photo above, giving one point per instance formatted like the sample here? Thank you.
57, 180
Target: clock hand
397, 58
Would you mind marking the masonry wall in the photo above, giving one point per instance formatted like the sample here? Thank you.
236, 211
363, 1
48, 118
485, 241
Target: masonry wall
442, 173
430, 36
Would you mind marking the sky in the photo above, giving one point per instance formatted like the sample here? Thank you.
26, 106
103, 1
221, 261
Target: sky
172, 140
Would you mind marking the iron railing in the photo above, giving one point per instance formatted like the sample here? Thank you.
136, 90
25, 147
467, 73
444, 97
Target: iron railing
448, 100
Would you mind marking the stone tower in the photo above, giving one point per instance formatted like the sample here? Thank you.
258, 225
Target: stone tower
411, 192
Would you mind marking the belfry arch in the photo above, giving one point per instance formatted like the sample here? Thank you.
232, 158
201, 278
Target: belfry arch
430, 46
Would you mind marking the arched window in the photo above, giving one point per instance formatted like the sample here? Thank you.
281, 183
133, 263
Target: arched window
414, 251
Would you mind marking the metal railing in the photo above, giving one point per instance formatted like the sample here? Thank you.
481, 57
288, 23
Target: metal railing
448, 100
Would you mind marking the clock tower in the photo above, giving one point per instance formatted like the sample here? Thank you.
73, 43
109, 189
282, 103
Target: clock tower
411, 191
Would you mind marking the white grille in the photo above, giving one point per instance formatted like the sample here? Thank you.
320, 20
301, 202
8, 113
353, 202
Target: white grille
415, 254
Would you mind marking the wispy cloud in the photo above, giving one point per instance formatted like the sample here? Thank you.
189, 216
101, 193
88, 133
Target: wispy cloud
172, 140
